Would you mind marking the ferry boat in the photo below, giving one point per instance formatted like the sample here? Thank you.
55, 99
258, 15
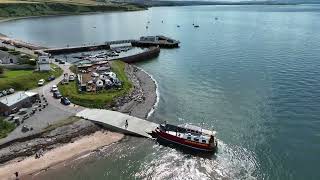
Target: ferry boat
187, 135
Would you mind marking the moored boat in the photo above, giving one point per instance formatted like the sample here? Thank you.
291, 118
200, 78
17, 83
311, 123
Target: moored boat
188, 136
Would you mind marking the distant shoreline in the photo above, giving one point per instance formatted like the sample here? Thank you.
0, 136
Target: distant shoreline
201, 3
6, 19
150, 4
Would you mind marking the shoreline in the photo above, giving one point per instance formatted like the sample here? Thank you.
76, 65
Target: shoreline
7, 19
58, 155
143, 99
146, 84
142, 102
155, 106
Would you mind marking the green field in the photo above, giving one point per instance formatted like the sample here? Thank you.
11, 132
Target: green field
5, 128
25, 79
102, 98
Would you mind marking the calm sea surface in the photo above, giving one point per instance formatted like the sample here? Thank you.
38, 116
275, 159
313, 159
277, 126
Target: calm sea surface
253, 75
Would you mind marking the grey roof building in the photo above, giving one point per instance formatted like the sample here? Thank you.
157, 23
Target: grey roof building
16, 101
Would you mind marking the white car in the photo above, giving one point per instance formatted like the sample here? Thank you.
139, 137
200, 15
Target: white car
54, 88
41, 82
71, 77
11, 90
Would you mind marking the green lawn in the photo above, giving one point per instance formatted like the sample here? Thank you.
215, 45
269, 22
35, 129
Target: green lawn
5, 128
102, 98
25, 79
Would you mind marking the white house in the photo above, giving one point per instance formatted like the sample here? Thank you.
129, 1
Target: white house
43, 63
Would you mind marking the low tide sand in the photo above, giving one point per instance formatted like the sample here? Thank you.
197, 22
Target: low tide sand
55, 156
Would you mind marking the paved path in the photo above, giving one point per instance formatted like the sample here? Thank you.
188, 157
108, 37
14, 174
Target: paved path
116, 120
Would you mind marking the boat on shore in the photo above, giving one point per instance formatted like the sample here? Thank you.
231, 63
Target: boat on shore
187, 136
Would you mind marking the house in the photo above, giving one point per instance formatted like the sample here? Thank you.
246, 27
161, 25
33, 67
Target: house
43, 63
12, 103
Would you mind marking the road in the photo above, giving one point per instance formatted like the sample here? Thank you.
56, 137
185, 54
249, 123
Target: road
54, 112
45, 90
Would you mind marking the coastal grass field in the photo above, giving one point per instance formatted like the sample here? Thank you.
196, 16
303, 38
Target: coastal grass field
26, 79
15, 9
5, 127
102, 98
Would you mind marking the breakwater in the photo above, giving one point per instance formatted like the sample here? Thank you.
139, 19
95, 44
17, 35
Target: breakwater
149, 41
152, 52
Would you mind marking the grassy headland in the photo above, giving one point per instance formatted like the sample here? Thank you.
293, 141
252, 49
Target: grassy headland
25, 79
16, 9
102, 98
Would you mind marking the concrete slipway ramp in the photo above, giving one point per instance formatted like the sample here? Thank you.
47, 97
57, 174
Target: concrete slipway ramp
116, 121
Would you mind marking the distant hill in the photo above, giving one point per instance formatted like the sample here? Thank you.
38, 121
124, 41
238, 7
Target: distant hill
299, 1
208, 2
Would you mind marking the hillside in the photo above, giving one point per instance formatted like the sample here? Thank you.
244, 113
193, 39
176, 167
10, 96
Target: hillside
10, 8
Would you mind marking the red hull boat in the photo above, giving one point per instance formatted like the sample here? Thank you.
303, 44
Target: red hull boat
189, 136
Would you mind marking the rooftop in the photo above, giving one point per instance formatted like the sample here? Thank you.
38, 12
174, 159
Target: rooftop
16, 97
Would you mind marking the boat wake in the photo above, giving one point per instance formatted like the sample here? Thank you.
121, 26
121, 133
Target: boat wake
228, 163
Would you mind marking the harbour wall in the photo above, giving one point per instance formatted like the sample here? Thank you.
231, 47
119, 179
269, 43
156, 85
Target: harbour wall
152, 52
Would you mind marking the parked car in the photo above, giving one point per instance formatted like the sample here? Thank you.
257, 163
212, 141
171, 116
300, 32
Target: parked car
65, 101
51, 78
57, 60
4, 92
64, 81
71, 77
26, 128
54, 88
11, 91
41, 82
57, 95
61, 62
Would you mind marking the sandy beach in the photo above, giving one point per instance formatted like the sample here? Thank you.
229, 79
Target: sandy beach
59, 154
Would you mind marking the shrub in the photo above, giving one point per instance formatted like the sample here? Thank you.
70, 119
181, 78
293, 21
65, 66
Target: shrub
5, 128
3, 48
1, 70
